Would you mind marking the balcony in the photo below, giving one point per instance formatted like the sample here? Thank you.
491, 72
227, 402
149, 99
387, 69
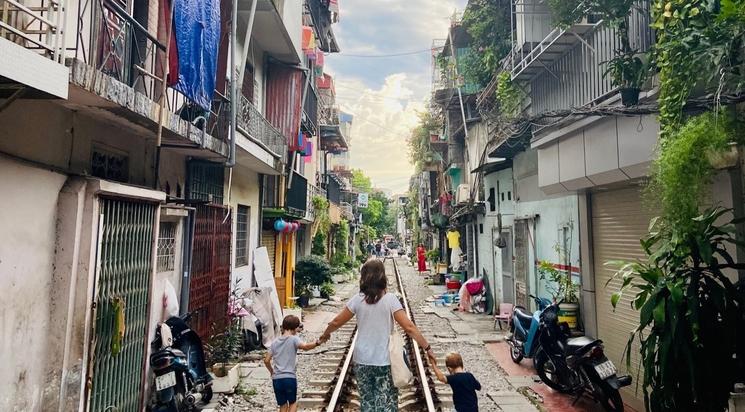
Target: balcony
264, 135
310, 112
297, 197
32, 46
313, 191
117, 65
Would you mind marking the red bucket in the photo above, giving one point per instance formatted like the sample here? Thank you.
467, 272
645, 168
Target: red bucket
452, 284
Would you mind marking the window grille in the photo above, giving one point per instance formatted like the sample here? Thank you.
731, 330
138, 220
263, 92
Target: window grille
109, 165
241, 235
167, 246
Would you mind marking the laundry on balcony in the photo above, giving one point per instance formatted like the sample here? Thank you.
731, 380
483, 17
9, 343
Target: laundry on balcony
309, 41
197, 31
318, 67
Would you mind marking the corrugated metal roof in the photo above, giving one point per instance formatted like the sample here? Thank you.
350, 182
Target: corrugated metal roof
284, 96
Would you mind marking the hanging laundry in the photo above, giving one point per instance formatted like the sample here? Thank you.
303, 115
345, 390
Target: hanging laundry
308, 150
309, 42
334, 9
453, 239
197, 31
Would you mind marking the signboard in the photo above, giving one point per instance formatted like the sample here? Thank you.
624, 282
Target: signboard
362, 199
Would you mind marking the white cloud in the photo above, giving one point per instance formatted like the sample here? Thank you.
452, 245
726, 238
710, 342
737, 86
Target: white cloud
385, 95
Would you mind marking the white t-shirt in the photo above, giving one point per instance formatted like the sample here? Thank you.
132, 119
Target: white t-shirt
374, 323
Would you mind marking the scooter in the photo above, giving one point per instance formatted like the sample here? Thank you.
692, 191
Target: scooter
524, 329
577, 365
181, 378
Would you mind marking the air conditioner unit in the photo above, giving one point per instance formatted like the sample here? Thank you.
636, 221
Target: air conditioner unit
463, 194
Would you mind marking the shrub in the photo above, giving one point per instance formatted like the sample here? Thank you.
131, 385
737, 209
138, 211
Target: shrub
327, 290
311, 271
319, 244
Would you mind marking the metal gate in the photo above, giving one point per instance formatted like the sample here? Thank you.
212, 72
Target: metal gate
209, 288
522, 254
125, 265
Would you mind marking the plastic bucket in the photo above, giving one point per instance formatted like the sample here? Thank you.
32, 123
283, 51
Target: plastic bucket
569, 313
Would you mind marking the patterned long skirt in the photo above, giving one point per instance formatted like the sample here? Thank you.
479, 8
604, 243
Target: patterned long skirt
375, 384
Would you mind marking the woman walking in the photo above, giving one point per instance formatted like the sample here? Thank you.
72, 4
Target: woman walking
421, 259
375, 309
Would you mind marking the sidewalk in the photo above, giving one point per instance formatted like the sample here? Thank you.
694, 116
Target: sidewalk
524, 375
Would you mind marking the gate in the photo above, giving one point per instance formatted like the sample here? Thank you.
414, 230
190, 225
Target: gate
124, 274
209, 288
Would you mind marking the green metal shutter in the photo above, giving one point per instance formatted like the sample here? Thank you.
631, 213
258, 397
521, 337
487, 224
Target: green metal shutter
126, 264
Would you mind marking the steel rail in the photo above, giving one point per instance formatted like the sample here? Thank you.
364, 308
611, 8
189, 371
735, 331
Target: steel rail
421, 369
342, 376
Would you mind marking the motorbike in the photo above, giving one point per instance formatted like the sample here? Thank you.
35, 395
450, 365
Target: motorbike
178, 362
577, 365
524, 328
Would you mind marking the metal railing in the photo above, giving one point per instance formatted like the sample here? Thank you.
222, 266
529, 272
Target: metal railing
111, 40
313, 191
310, 107
251, 121
36, 26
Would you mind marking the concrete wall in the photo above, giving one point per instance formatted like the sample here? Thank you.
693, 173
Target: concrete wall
292, 17
551, 214
51, 134
245, 191
28, 223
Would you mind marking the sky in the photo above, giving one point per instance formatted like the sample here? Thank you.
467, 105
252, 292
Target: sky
385, 93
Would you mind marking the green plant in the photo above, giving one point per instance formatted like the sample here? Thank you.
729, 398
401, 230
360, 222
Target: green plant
341, 240
327, 290
488, 22
432, 255
321, 211
568, 12
626, 70
561, 286
690, 313
224, 345
318, 247
682, 171
508, 95
311, 271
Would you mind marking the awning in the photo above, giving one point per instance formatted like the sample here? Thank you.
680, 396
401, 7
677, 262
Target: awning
491, 167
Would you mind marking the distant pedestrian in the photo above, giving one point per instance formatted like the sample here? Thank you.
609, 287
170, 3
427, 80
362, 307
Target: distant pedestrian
378, 249
281, 360
376, 310
421, 258
463, 383
370, 249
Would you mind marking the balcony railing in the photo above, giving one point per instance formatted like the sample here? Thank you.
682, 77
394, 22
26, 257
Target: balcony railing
35, 25
251, 121
113, 41
313, 191
310, 107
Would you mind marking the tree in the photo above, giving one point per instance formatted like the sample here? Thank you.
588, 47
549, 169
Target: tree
489, 24
418, 142
360, 181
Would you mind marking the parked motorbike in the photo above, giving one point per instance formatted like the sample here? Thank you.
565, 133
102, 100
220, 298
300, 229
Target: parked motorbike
181, 378
524, 329
576, 365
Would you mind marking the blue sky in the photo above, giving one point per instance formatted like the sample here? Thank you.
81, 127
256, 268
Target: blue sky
384, 94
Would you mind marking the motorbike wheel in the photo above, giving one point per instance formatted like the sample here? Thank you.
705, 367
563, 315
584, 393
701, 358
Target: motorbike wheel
547, 372
610, 399
516, 354
207, 395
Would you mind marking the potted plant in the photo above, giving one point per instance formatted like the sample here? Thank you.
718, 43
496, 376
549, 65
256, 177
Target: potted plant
563, 290
327, 290
627, 72
222, 349
310, 271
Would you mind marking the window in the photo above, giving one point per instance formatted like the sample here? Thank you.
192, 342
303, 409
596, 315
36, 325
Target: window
492, 200
241, 235
109, 164
481, 228
509, 195
166, 247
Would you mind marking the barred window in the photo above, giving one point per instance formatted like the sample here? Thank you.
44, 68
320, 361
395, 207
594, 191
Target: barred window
166, 246
241, 235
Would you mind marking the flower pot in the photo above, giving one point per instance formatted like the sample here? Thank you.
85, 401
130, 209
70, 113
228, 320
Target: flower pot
303, 301
225, 378
569, 313
630, 96
724, 159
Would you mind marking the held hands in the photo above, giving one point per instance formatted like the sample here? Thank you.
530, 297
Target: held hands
431, 357
324, 338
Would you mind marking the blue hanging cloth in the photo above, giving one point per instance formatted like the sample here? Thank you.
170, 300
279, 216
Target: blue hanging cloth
197, 31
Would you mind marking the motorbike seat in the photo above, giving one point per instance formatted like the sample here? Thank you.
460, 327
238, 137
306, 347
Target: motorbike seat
524, 318
575, 345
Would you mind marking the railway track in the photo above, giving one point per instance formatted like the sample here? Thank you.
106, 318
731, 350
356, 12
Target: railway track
334, 387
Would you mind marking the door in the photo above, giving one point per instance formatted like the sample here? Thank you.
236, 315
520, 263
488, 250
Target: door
123, 281
619, 220
209, 287
522, 253
508, 282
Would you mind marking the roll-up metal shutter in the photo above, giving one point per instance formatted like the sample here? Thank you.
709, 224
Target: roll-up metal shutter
619, 219
268, 239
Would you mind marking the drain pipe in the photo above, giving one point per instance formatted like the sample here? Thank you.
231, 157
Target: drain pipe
241, 69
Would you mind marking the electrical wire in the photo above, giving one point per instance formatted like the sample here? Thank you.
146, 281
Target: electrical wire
382, 56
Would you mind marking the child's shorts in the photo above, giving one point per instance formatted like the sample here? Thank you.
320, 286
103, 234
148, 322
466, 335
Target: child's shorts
285, 390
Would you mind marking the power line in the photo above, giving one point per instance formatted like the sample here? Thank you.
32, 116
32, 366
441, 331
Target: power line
380, 56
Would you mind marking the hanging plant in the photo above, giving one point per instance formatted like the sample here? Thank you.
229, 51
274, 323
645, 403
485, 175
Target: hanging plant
508, 95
